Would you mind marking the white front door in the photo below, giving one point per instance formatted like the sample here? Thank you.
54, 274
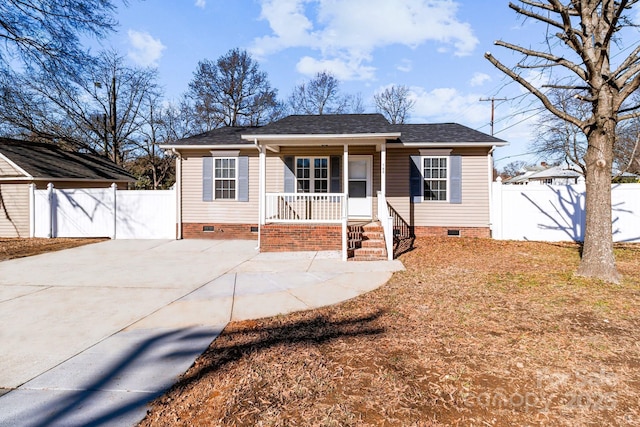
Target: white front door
360, 201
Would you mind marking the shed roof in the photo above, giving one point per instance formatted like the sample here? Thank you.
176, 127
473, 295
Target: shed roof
49, 161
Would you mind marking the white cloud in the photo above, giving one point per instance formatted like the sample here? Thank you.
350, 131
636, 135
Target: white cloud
341, 69
405, 66
479, 79
354, 29
449, 105
201, 3
145, 50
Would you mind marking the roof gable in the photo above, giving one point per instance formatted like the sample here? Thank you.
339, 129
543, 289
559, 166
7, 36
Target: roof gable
48, 161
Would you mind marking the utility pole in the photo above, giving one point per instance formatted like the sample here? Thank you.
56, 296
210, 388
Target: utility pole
112, 99
493, 100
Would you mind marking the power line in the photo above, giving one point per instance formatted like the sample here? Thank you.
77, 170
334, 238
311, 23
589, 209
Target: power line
493, 107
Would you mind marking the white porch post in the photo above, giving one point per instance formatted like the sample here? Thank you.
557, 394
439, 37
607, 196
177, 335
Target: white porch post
178, 190
263, 181
383, 169
345, 190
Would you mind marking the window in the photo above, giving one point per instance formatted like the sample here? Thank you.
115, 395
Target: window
224, 178
312, 174
435, 178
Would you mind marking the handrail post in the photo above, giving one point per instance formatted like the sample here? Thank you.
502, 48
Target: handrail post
343, 199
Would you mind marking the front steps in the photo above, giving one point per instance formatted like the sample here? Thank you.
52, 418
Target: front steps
366, 242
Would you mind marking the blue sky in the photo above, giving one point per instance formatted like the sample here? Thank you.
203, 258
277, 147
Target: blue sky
435, 47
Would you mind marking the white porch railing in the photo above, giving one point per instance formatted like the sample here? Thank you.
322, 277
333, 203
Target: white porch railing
326, 208
308, 208
387, 224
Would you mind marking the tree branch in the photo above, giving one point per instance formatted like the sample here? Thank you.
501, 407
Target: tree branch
541, 96
536, 16
558, 60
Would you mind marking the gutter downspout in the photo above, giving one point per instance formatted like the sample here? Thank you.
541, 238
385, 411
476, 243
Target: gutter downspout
178, 193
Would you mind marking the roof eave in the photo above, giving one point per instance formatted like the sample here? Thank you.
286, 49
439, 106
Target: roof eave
205, 146
325, 136
448, 144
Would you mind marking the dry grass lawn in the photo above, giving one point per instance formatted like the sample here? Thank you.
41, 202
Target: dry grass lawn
11, 248
474, 332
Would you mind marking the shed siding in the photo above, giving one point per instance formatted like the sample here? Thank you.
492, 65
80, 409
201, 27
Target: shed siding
472, 212
7, 170
14, 210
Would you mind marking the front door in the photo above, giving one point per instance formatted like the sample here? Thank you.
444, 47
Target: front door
360, 201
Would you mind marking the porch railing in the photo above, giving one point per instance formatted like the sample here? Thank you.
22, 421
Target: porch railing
403, 235
308, 208
327, 208
386, 220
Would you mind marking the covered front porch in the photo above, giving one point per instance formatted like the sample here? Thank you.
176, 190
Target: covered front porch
331, 189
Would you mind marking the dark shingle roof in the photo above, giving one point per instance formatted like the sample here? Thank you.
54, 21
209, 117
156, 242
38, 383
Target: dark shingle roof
453, 133
345, 124
220, 136
52, 162
326, 124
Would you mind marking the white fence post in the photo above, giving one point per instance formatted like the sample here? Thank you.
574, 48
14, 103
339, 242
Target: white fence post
50, 197
32, 210
496, 209
114, 189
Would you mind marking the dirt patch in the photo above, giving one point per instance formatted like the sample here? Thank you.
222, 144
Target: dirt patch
18, 248
474, 332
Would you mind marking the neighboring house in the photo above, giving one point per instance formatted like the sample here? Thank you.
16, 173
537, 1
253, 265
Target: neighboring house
549, 175
23, 163
293, 184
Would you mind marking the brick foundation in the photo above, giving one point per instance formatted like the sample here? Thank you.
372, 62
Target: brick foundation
482, 232
293, 238
220, 231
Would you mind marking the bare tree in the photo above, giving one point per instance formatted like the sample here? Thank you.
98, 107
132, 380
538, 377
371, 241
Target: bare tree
512, 169
46, 33
99, 111
151, 165
232, 91
557, 139
561, 141
589, 34
394, 103
321, 95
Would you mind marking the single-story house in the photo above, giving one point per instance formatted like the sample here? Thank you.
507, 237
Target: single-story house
305, 182
23, 163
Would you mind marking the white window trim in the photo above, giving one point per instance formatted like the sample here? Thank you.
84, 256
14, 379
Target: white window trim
214, 179
311, 173
448, 179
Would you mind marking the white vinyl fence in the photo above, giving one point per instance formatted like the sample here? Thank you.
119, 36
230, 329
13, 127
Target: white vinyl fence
556, 212
103, 212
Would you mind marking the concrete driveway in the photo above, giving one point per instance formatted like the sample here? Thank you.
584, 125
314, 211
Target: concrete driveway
89, 335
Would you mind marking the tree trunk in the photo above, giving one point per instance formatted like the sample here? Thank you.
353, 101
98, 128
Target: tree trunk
597, 255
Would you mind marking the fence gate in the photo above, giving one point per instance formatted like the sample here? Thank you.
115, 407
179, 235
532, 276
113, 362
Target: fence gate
103, 212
